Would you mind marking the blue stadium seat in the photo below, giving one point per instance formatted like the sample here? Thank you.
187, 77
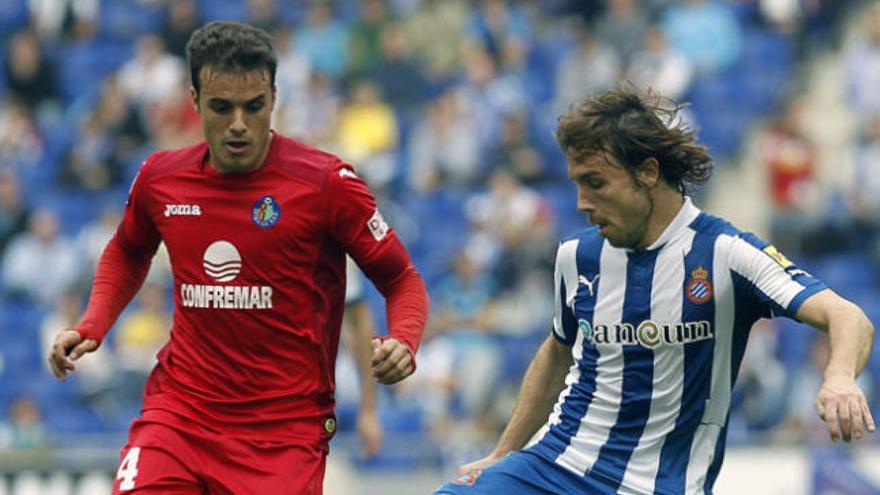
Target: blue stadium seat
13, 15
128, 19
223, 10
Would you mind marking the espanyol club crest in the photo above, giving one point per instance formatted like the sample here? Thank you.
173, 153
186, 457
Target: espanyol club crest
266, 212
699, 289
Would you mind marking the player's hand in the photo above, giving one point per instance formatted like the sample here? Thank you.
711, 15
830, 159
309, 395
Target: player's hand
67, 348
480, 464
369, 428
392, 361
842, 406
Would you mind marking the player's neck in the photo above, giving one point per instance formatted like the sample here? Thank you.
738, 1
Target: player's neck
667, 204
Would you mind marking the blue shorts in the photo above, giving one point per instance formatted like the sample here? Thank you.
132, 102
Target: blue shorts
522, 473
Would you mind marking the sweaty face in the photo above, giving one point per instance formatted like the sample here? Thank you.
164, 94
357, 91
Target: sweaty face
611, 198
236, 112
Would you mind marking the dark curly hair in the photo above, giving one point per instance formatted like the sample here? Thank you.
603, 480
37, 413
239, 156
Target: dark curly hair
230, 47
633, 126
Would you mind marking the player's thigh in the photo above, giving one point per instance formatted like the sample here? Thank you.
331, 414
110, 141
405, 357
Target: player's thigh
149, 471
244, 468
507, 476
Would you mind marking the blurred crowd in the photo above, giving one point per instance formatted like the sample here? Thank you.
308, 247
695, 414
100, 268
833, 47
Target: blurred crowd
447, 108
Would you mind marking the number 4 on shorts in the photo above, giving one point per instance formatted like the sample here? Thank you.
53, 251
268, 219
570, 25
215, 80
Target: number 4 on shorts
128, 469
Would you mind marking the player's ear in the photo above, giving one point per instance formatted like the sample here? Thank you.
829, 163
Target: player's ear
194, 96
274, 95
648, 173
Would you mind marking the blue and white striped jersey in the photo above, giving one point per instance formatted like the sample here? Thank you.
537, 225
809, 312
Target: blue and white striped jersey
657, 338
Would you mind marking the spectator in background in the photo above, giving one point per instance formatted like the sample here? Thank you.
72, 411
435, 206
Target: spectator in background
292, 81
55, 19
263, 14
659, 66
153, 75
14, 213
142, 332
368, 134
97, 378
864, 193
459, 361
494, 22
323, 39
365, 42
174, 121
787, 156
40, 264
590, 67
623, 27
89, 163
398, 75
705, 31
444, 151
862, 66
434, 33
29, 75
122, 123
181, 20
26, 424
315, 119
21, 143
487, 94
93, 237
516, 153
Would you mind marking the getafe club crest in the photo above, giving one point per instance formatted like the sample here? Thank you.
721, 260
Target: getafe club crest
266, 212
699, 289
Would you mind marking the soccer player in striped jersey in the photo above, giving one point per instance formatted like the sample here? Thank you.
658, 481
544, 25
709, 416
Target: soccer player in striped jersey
654, 304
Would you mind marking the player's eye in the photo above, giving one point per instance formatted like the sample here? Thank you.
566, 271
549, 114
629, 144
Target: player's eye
254, 106
220, 106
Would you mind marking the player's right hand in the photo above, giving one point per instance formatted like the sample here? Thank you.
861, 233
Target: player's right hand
480, 464
67, 348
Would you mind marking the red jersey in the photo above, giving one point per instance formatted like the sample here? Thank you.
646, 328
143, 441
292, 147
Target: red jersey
258, 260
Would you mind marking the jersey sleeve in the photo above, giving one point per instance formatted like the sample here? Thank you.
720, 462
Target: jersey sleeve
565, 326
775, 283
137, 233
355, 222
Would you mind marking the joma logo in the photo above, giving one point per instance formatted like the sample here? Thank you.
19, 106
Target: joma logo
186, 210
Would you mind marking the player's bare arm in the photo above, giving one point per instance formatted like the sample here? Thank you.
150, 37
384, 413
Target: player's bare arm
67, 348
540, 389
840, 402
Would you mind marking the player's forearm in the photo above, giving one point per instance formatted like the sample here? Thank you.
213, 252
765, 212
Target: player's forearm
851, 334
542, 383
117, 280
361, 320
407, 308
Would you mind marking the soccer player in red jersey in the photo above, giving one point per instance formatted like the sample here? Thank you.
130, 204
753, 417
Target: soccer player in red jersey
257, 226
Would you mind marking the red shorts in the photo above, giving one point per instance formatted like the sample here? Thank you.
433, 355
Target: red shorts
161, 459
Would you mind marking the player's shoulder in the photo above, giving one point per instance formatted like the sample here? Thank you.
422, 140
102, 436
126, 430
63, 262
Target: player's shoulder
165, 162
586, 240
718, 226
306, 163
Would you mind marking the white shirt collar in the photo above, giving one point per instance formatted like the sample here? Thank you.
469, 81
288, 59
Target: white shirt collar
686, 214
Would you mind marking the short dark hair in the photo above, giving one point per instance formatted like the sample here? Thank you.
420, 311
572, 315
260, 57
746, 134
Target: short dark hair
634, 126
230, 47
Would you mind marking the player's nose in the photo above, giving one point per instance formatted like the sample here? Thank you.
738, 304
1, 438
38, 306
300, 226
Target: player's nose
237, 126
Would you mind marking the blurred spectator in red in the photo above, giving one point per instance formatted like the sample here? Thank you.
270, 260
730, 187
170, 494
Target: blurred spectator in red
174, 121
787, 156
30, 76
